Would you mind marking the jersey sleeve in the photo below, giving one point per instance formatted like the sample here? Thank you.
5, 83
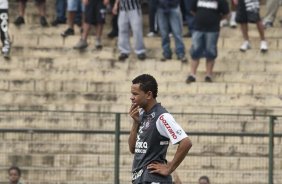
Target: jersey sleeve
168, 127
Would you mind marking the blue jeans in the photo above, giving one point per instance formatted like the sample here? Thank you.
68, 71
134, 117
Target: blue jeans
204, 44
188, 15
171, 20
152, 15
61, 10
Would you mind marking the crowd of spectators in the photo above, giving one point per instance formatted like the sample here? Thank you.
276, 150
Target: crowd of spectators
204, 19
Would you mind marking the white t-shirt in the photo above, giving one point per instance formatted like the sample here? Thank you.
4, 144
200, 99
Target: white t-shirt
168, 127
3, 4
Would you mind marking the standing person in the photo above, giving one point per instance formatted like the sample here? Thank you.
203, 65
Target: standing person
130, 18
95, 13
14, 175
114, 22
4, 18
170, 20
205, 36
41, 6
272, 7
248, 12
152, 129
153, 30
204, 180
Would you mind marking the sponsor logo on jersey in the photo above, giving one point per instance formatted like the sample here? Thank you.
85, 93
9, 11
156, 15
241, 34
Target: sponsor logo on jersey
179, 132
167, 126
207, 4
136, 174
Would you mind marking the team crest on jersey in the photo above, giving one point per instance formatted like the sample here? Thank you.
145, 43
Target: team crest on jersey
179, 132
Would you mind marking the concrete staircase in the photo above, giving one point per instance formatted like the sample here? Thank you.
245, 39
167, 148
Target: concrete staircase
45, 73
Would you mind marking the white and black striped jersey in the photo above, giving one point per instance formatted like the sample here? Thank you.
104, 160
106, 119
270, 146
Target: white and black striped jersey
127, 5
3, 4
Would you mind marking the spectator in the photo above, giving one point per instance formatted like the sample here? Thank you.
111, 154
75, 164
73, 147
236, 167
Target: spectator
14, 175
130, 16
272, 7
95, 11
114, 22
205, 36
74, 7
60, 12
169, 19
248, 11
153, 30
4, 17
41, 5
204, 180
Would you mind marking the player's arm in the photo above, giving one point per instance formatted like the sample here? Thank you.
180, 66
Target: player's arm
115, 8
134, 113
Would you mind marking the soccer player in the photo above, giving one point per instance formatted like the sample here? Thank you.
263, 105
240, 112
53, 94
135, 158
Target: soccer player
152, 129
5, 39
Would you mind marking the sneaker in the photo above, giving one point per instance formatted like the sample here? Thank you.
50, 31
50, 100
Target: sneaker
208, 79
82, 44
67, 32
245, 46
183, 59
267, 25
98, 45
19, 21
233, 24
43, 21
6, 51
57, 22
223, 23
141, 56
122, 57
263, 46
190, 79
151, 34
164, 58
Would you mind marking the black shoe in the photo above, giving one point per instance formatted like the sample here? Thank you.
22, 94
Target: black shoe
57, 22
190, 79
43, 21
208, 79
164, 58
19, 21
141, 56
112, 34
183, 59
67, 32
122, 57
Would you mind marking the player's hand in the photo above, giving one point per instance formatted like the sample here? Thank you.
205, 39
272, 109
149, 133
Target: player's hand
106, 2
159, 168
134, 112
85, 2
235, 2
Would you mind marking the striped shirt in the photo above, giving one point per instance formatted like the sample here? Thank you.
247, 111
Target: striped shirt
127, 5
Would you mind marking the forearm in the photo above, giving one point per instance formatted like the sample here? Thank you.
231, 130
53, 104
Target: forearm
181, 152
133, 136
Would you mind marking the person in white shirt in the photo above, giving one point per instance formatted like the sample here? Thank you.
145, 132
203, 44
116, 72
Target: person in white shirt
4, 17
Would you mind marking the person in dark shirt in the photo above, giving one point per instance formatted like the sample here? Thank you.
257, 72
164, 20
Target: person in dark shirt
152, 129
208, 14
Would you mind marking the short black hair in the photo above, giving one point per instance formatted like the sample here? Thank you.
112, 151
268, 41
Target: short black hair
15, 168
147, 83
204, 178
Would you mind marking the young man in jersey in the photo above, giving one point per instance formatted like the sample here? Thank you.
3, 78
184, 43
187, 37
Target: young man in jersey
152, 129
5, 39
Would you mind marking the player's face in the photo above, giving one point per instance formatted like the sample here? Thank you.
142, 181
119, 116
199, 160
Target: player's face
203, 181
14, 176
138, 96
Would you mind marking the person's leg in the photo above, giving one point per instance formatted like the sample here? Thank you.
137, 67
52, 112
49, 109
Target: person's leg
5, 39
41, 6
124, 33
189, 17
163, 22
137, 31
263, 43
232, 21
152, 17
175, 22
60, 12
21, 9
272, 7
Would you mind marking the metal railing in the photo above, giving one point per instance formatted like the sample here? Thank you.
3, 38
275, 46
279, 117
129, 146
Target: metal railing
217, 138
